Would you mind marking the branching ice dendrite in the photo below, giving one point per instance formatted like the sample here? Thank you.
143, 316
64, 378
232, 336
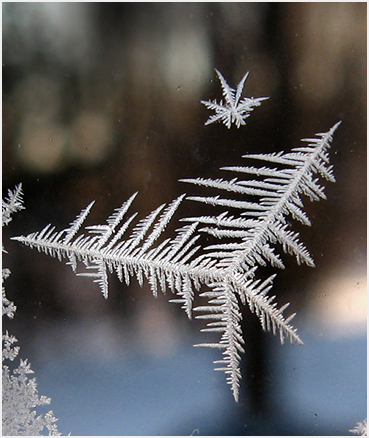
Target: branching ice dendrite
256, 236
233, 110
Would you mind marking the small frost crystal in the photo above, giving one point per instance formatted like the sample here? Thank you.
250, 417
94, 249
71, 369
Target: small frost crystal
8, 306
12, 204
234, 110
360, 428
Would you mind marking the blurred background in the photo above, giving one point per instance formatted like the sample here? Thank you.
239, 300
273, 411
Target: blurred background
101, 100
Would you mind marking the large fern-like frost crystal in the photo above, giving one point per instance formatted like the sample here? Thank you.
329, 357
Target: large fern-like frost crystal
266, 199
234, 110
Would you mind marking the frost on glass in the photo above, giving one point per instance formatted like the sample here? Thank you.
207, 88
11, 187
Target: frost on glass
266, 194
20, 394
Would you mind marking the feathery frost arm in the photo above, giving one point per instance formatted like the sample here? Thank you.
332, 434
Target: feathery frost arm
104, 250
275, 195
12, 204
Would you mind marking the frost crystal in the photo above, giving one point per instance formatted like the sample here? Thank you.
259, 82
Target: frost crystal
20, 395
234, 110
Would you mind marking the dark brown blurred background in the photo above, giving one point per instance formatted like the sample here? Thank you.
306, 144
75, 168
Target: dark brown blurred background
103, 99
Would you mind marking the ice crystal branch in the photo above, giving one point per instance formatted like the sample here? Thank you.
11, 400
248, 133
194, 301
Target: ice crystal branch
12, 204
